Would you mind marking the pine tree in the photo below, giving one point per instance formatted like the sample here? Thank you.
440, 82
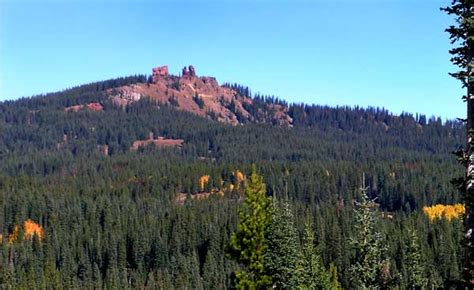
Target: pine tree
369, 268
210, 270
334, 280
416, 269
52, 275
462, 34
248, 245
283, 247
311, 272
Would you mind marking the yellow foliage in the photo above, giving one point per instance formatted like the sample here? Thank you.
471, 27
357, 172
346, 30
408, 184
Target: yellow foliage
447, 211
14, 235
203, 180
30, 229
239, 176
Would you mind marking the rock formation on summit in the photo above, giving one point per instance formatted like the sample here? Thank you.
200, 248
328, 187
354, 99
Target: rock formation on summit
161, 71
192, 72
188, 71
202, 96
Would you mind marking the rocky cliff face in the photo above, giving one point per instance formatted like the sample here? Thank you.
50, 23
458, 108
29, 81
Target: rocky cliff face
202, 96
158, 72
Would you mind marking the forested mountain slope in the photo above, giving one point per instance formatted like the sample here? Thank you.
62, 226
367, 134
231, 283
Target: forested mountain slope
327, 143
110, 213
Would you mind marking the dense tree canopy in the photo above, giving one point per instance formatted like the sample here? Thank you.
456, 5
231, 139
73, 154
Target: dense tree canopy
114, 219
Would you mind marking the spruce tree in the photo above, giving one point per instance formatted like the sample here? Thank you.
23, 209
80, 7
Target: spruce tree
311, 271
210, 272
333, 277
462, 35
248, 245
416, 270
367, 270
283, 247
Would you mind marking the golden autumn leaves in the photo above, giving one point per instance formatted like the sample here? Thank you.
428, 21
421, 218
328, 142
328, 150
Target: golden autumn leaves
30, 229
204, 180
448, 212
204, 192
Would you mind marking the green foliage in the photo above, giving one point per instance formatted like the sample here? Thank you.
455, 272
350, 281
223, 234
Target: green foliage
174, 101
115, 216
199, 101
248, 245
334, 280
369, 268
176, 85
311, 271
283, 247
416, 269
461, 34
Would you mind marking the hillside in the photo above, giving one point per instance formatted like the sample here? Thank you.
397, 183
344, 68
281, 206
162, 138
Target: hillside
105, 170
94, 120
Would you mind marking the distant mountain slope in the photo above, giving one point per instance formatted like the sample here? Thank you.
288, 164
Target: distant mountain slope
120, 111
326, 149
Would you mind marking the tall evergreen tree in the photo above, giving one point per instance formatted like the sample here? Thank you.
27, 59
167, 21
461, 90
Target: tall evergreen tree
333, 277
311, 271
283, 247
248, 245
416, 270
210, 272
462, 35
368, 269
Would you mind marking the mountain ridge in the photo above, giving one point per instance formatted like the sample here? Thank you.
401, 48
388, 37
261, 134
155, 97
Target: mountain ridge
200, 95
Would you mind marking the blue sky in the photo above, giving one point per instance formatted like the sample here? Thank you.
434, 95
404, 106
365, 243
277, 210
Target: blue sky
387, 53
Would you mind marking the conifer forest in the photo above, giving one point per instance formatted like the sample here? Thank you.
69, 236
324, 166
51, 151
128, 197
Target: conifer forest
348, 196
169, 181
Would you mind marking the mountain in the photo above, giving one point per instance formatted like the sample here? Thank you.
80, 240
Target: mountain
135, 182
193, 115
202, 96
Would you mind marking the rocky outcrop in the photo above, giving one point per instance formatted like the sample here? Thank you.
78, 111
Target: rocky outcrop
188, 71
75, 108
97, 107
192, 71
202, 96
125, 95
159, 72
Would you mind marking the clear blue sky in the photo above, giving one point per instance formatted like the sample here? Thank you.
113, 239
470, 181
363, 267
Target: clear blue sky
390, 53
